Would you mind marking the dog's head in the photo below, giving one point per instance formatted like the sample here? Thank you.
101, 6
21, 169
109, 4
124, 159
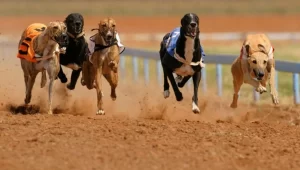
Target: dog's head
107, 29
75, 23
58, 32
258, 61
190, 25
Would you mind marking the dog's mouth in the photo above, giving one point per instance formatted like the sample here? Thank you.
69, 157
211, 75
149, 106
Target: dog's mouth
258, 75
192, 33
77, 29
62, 40
109, 37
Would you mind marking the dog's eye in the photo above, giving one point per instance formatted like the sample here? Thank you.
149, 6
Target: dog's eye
254, 61
265, 61
113, 25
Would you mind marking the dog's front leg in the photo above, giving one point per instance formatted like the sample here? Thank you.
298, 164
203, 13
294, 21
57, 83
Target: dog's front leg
247, 78
50, 94
273, 91
98, 81
52, 73
196, 81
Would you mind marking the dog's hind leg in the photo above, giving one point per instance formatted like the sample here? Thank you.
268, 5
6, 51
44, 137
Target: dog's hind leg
238, 79
112, 79
183, 81
177, 92
273, 91
237, 83
61, 75
162, 52
30, 83
196, 81
43, 79
26, 80
74, 77
166, 83
25, 67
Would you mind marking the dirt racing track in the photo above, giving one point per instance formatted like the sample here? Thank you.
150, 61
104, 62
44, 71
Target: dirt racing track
141, 129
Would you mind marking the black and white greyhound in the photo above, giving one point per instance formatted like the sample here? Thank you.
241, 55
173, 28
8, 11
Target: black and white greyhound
181, 53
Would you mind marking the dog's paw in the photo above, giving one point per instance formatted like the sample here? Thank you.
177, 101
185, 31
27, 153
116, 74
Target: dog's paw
64, 79
70, 86
178, 79
180, 85
166, 94
195, 108
275, 99
179, 96
261, 89
63, 50
82, 82
233, 105
100, 112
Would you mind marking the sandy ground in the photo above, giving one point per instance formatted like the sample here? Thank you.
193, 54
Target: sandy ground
141, 130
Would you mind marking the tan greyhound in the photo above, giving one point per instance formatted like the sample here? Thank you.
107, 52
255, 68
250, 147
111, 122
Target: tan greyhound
39, 49
255, 66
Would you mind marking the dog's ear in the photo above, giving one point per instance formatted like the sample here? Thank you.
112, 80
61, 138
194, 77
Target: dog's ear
262, 48
82, 20
183, 20
196, 18
67, 18
247, 47
50, 24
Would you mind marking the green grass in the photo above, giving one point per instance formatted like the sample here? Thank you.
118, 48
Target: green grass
283, 51
148, 7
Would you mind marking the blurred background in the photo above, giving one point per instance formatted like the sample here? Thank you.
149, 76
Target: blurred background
142, 24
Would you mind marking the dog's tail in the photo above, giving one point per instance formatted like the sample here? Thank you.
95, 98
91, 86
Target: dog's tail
43, 79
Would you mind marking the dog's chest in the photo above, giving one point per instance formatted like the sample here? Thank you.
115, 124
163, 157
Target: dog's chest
189, 50
101, 55
186, 69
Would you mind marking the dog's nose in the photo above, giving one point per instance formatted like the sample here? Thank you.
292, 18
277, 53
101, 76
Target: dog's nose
193, 25
78, 23
64, 36
109, 36
261, 74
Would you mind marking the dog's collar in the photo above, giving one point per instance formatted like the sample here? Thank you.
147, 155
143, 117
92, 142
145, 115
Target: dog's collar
75, 37
99, 47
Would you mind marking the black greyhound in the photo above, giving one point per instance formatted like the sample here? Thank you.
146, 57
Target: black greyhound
76, 50
181, 53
